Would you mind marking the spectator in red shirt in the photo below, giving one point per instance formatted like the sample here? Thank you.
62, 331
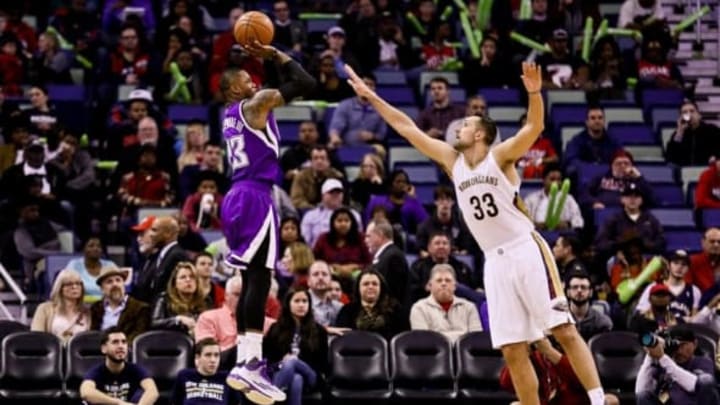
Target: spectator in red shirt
223, 43
707, 193
654, 68
129, 63
540, 153
202, 209
147, 186
705, 265
22, 30
558, 383
439, 51
342, 246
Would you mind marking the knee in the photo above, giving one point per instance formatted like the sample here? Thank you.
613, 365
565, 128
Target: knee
290, 364
566, 334
515, 353
297, 384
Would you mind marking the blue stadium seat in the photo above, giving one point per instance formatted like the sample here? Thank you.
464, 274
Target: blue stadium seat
632, 134
675, 217
528, 188
588, 171
390, 77
423, 173
686, 240
353, 155
661, 97
289, 132
690, 193
396, 95
568, 115
507, 131
710, 218
668, 195
66, 92
602, 215
54, 264
663, 115
501, 96
186, 112
424, 193
658, 174
320, 25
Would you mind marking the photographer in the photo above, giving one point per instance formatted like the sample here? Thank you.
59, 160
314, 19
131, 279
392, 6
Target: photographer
671, 373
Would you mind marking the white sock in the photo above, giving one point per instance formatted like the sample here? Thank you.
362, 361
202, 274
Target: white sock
253, 346
240, 347
597, 396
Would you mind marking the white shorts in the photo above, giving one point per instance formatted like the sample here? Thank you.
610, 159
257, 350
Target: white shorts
522, 284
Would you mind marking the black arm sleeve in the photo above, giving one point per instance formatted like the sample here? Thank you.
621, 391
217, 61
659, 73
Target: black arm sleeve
296, 82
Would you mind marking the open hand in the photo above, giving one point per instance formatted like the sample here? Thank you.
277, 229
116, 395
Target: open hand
531, 77
357, 83
259, 50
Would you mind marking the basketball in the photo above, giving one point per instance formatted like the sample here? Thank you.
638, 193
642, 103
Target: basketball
252, 26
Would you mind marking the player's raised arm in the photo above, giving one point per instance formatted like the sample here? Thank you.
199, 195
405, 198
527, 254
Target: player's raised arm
512, 149
296, 82
437, 150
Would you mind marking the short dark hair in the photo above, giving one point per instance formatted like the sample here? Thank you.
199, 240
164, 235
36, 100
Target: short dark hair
203, 343
577, 274
435, 234
689, 101
489, 126
551, 167
594, 107
209, 144
321, 148
110, 331
203, 254
570, 239
440, 79
226, 79
443, 192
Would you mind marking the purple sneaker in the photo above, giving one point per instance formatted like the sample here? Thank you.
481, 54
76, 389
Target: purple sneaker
252, 379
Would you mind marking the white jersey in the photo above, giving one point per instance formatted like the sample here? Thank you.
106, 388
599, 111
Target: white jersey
490, 204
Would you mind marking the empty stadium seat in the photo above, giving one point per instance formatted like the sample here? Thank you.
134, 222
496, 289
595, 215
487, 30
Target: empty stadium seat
405, 154
507, 131
353, 155
675, 217
8, 327
586, 172
390, 77
657, 173
396, 94
660, 116
623, 115
710, 218
320, 25
661, 97
685, 240
506, 114
632, 134
163, 354
188, 112
646, 153
478, 369
618, 356
54, 264
498, 97
31, 367
359, 367
691, 174
66, 92
289, 132
82, 354
568, 115
420, 173
293, 113
422, 366
555, 97
668, 195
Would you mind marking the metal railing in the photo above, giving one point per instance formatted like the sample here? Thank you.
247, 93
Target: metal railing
10, 282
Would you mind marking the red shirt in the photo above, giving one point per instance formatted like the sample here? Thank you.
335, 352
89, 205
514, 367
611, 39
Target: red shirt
707, 193
702, 271
558, 384
11, 71
542, 148
341, 255
122, 67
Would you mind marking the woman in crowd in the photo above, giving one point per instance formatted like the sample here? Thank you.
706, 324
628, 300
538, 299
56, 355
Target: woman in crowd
88, 267
182, 302
297, 346
343, 246
370, 181
64, 315
372, 309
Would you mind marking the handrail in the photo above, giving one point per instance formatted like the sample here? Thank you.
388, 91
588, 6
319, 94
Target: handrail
17, 291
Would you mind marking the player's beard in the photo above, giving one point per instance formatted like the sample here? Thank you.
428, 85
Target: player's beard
461, 146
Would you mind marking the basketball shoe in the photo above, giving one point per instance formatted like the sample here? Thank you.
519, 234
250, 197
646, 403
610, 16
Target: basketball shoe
251, 378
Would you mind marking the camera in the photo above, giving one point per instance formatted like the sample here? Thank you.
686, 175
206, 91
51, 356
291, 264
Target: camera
686, 118
650, 340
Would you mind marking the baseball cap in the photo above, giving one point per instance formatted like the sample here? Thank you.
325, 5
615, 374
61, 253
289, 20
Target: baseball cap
631, 189
660, 288
559, 34
336, 31
683, 334
140, 94
680, 256
145, 224
330, 185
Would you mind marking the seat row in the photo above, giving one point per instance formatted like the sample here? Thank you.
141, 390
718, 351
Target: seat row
413, 366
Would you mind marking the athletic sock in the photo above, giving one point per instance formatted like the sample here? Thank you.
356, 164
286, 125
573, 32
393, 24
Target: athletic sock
253, 346
240, 347
597, 396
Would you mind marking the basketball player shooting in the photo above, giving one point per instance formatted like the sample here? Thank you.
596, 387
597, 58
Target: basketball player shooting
518, 261
249, 218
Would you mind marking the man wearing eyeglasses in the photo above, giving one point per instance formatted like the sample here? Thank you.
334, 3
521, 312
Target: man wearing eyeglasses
589, 321
705, 266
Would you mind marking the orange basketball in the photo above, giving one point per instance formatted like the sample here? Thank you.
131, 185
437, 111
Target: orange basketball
252, 26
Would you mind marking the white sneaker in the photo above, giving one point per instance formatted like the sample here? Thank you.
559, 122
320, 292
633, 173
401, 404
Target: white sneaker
252, 379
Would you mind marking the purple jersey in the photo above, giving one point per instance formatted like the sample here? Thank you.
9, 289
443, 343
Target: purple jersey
253, 154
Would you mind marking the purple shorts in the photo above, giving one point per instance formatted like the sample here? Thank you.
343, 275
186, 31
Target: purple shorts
250, 225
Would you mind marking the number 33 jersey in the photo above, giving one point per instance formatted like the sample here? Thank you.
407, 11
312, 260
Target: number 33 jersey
490, 204
253, 154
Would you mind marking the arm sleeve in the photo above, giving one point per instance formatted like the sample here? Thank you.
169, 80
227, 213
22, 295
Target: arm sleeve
685, 379
204, 328
296, 81
417, 319
645, 380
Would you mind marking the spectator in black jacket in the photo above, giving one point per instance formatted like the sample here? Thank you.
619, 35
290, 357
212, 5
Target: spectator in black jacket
297, 347
694, 142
